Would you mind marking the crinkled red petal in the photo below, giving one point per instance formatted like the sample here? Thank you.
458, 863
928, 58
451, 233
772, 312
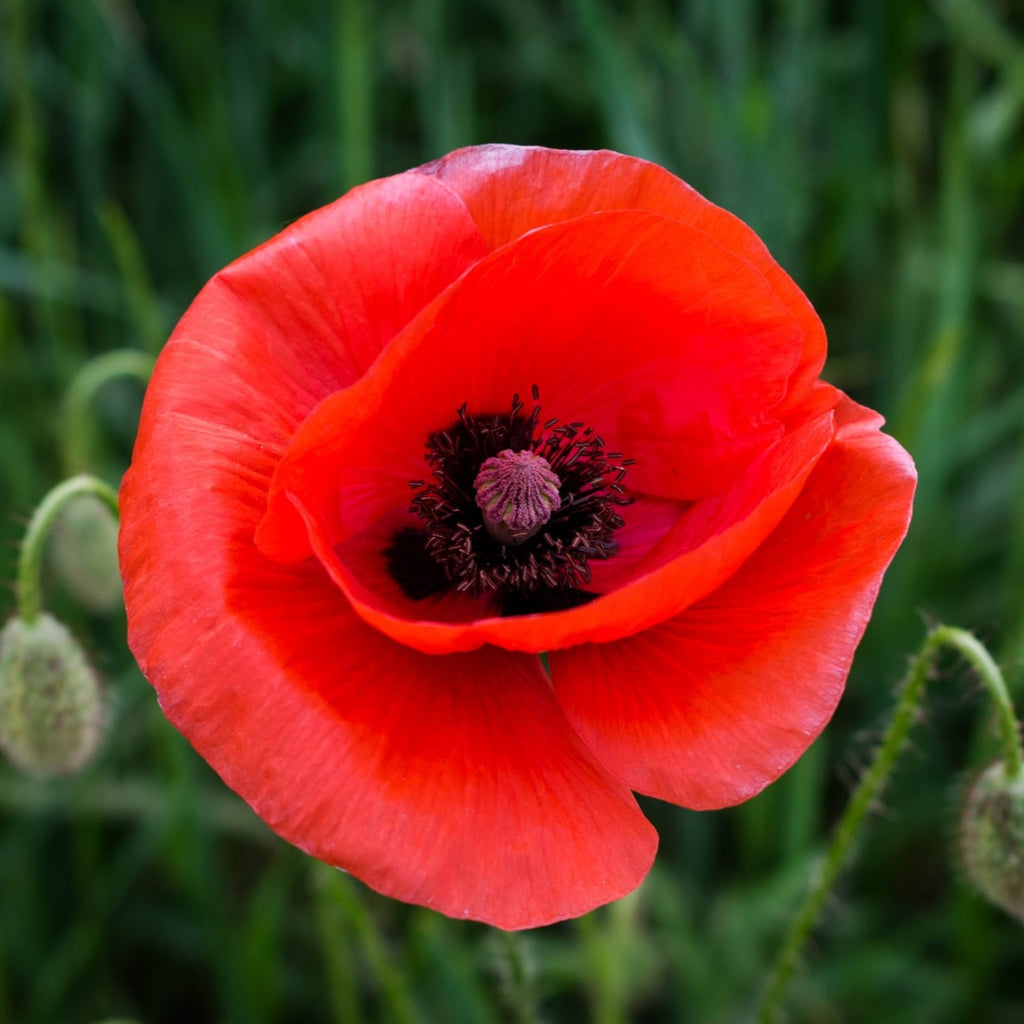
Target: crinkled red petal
514, 189
708, 708
309, 310
670, 347
455, 783
703, 549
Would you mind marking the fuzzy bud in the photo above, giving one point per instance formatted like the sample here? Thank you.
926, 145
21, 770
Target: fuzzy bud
51, 711
83, 553
992, 838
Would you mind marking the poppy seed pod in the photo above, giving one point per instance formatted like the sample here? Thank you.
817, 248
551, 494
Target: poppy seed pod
992, 838
51, 711
83, 553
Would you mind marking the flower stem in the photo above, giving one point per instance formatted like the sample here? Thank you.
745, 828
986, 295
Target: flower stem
30, 558
518, 978
866, 795
992, 678
335, 939
397, 1001
76, 421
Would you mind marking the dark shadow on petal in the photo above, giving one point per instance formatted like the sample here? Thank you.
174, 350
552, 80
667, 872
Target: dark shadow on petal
412, 568
539, 601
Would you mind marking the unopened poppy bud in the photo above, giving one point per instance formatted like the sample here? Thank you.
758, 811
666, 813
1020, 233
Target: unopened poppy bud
517, 492
83, 552
51, 711
992, 838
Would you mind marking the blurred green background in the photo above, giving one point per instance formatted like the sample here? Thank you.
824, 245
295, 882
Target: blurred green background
875, 146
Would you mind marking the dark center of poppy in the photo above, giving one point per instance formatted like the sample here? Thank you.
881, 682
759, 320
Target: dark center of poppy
515, 508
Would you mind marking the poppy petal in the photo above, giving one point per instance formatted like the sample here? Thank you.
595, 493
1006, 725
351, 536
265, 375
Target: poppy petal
307, 312
510, 190
323, 725
434, 780
337, 285
708, 708
703, 549
704, 372
453, 783
301, 318
677, 352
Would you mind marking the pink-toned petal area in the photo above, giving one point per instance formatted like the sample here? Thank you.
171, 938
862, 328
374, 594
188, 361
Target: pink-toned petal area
342, 281
708, 708
704, 547
514, 189
647, 522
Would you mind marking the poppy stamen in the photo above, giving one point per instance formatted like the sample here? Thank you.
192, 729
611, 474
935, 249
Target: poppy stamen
515, 507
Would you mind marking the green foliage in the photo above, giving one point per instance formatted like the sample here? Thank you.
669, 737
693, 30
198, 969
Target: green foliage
876, 149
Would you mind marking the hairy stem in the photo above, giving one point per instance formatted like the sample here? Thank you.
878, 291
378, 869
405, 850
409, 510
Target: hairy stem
868, 791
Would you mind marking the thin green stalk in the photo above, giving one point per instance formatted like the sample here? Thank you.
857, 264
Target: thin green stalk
76, 415
607, 1005
142, 301
610, 936
337, 949
867, 793
30, 558
395, 993
355, 91
518, 977
988, 672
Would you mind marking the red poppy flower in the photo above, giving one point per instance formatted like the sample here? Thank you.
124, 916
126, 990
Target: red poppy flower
515, 401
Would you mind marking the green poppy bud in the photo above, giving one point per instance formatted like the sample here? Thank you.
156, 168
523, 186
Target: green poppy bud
992, 838
83, 553
51, 711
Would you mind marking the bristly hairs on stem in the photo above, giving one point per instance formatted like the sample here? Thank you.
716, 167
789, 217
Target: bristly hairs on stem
868, 791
